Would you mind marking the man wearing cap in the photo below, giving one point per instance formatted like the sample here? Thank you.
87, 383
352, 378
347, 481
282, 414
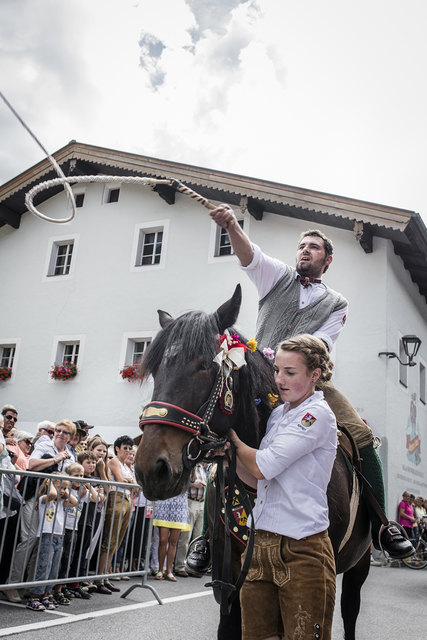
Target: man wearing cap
83, 429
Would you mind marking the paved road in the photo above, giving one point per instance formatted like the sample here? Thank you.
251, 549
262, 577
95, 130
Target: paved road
393, 600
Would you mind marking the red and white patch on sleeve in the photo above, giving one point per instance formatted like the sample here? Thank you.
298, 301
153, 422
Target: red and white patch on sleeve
344, 318
308, 420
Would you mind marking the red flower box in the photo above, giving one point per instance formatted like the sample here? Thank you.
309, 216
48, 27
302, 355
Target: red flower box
63, 371
130, 372
5, 373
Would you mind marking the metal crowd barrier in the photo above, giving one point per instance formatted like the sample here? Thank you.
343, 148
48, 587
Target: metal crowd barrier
20, 546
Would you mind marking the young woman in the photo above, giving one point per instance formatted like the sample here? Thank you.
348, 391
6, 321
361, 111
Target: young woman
289, 591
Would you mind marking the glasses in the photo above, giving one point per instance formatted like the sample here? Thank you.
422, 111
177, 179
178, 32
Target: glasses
28, 442
48, 431
14, 418
66, 433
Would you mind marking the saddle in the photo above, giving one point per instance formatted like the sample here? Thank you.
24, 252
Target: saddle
349, 449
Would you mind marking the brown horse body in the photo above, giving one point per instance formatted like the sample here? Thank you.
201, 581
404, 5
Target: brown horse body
180, 360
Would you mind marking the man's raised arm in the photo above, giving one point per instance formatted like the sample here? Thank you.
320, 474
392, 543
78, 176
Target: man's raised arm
224, 217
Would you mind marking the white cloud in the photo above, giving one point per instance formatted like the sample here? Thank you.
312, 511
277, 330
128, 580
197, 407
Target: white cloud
329, 96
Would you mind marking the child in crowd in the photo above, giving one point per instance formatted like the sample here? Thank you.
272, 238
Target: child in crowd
53, 500
100, 449
79, 490
79, 563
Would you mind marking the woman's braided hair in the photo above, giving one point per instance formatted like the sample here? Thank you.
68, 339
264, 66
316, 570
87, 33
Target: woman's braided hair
313, 350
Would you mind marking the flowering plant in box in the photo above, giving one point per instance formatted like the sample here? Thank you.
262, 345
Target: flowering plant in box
130, 372
5, 373
63, 371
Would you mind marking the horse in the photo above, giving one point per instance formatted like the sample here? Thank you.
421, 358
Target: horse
196, 399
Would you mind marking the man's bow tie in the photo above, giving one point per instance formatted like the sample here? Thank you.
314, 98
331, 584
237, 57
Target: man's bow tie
306, 280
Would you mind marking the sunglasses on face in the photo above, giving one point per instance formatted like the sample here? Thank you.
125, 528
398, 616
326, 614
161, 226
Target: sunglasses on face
28, 442
66, 433
49, 431
14, 418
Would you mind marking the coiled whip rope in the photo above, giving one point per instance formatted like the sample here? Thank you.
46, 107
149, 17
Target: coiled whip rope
67, 180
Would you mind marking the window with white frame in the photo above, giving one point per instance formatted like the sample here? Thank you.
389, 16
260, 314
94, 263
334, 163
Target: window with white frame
70, 352
60, 258
222, 244
7, 355
422, 383
138, 349
79, 198
111, 193
150, 244
134, 346
403, 370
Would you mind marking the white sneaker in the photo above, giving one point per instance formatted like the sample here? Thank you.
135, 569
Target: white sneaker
13, 596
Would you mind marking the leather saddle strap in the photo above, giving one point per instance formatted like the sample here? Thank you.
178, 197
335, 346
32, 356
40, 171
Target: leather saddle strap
367, 487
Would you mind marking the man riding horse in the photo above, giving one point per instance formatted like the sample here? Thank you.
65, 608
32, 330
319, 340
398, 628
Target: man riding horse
294, 301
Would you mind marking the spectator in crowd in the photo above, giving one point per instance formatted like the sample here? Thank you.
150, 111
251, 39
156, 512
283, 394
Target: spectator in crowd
10, 505
171, 517
100, 449
138, 535
196, 498
53, 500
419, 509
22, 449
48, 456
118, 510
406, 514
84, 428
10, 418
44, 428
72, 516
74, 443
118, 558
86, 525
4, 455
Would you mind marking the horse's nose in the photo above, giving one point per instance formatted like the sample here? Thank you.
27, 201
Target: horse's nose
162, 470
157, 482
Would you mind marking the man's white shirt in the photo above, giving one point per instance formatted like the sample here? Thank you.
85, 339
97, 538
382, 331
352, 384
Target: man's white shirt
265, 272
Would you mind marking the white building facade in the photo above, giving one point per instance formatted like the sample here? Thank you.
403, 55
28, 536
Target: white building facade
88, 291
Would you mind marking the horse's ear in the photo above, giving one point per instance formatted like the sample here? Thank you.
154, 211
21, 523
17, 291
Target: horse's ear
228, 312
164, 318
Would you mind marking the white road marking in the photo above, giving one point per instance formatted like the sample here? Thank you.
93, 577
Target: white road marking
67, 618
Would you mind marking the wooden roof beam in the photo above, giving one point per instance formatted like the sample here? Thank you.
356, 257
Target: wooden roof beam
166, 193
255, 208
9, 217
363, 236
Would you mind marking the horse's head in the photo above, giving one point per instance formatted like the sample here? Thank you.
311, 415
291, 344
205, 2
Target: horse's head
196, 395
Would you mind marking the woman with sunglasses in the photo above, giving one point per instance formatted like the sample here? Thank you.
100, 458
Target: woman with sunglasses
22, 449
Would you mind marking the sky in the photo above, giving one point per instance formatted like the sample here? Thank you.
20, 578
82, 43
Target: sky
329, 95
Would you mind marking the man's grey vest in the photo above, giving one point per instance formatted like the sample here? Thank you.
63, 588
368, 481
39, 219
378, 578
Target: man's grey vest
280, 318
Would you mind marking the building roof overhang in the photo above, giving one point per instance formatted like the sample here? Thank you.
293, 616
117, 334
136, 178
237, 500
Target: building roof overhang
404, 228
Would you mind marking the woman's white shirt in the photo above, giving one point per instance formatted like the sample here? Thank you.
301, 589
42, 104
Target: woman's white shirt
296, 457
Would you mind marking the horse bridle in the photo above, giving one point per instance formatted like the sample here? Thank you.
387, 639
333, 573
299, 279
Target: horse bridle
164, 413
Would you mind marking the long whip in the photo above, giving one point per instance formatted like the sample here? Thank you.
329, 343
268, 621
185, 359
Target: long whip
65, 181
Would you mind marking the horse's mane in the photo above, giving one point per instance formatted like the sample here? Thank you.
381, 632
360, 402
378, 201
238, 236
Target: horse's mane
195, 335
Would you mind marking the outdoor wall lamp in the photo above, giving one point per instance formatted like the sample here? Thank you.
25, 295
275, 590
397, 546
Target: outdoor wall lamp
411, 344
